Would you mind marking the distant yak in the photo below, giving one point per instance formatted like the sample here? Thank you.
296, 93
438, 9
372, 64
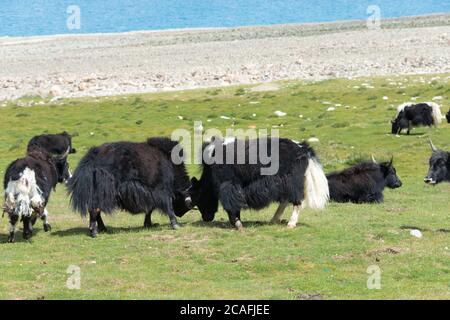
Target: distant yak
135, 177
448, 116
363, 183
411, 115
28, 183
240, 184
439, 170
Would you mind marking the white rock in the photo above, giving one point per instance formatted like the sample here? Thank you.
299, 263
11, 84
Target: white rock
313, 139
437, 98
280, 113
180, 117
416, 233
331, 109
55, 91
224, 117
385, 98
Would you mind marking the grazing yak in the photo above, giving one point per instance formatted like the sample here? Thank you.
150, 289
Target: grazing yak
363, 183
448, 116
28, 183
55, 144
411, 115
439, 170
239, 183
135, 177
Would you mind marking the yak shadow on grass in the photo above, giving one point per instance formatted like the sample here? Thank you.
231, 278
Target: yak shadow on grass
246, 224
110, 230
18, 237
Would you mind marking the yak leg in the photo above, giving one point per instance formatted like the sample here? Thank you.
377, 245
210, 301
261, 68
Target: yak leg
100, 224
277, 216
235, 219
294, 218
27, 227
44, 218
93, 231
409, 128
171, 213
148, 220
13, 218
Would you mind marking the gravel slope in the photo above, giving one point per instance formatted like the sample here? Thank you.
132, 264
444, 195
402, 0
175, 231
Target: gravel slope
108, 64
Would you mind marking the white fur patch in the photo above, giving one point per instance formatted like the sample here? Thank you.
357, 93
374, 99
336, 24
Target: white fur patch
317, 193
402, 107
24, 193
437, 115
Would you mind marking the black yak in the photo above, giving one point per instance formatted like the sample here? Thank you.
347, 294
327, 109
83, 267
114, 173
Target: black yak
135, 177
439, 170
363, 183
411, 115
56, 144
448, 116
28, 183
239, 183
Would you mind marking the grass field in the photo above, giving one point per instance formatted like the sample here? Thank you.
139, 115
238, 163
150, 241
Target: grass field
326, 256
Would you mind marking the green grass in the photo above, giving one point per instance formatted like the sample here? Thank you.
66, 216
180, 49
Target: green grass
326, 255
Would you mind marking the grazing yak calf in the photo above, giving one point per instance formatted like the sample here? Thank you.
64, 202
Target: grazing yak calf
363, 183
239, 185
136, 177
439, 170
55, 144
28, 183
411, 115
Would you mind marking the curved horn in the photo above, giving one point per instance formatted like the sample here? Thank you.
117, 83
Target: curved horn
373, 159
433, 148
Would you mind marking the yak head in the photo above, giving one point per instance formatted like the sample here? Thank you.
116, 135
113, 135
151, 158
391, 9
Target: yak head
399, 123
203, 196
390, 174
439, 166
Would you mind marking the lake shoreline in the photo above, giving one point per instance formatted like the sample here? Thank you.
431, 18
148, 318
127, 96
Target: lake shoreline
154, 61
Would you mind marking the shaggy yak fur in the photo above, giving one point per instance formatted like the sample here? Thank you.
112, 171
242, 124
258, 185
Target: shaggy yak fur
363, 183
299, 180
28, 183
135, 177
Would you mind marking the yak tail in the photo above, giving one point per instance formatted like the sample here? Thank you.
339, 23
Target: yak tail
92, 188
316, 188
23, 194
436, 113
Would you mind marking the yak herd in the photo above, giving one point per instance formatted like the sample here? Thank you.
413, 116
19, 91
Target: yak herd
142, 177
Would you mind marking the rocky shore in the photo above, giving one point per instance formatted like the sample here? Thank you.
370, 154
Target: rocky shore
149, 61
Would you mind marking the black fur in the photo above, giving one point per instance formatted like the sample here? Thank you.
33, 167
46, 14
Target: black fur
362, 183
420, 114
136, 177
447, 116
241, 186
55, 144
439, 170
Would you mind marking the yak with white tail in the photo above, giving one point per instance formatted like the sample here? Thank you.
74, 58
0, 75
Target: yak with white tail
411, 115
256, 173
28, 183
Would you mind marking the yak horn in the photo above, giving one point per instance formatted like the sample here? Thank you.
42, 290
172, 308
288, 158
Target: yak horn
373, 159
432, 146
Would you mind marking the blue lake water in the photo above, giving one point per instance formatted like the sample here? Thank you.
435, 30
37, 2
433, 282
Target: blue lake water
47, 17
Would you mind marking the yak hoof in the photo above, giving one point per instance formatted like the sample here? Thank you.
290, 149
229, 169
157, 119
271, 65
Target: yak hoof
102, 229
11, 238
27, 235
93, 233
291, 226
176, 226
238, 225
47, 227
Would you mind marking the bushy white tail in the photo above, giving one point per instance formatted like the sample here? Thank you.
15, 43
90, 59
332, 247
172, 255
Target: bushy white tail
23, 194
317, 193
437, 115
